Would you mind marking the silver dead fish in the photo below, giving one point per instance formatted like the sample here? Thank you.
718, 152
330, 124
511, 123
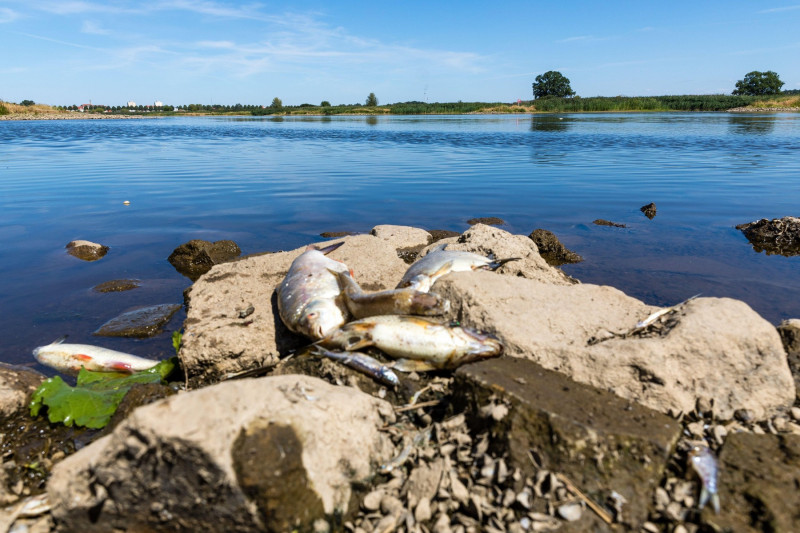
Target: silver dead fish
69, 358
390, 302
423, 274
363, 363
418, 344
309, 297
705, 464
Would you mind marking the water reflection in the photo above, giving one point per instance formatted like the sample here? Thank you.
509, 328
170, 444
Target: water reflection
746, 124
372, 120
549, 123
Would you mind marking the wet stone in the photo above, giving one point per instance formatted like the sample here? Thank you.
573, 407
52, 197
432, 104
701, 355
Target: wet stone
439, 234
336, 234
117, 285
759, 476
140, 323
600, 441
86, 250
779, 236
602, 222
649, 210
489, 221
551, 249
196, 257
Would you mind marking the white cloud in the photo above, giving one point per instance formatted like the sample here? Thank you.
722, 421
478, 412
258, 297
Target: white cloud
577, 38
7, 15
780, 9
93, 28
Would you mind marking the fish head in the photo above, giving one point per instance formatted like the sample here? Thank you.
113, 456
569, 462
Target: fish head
319, 318
480, 345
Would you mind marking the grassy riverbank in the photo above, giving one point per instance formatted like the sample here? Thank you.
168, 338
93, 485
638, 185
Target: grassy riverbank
712, 102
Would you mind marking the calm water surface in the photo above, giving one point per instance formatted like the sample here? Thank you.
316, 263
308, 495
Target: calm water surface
276, 183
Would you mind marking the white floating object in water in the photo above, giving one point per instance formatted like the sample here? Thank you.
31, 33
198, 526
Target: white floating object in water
127, 202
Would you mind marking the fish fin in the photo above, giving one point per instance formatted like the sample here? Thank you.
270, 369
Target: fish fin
413, 365
438, 247
704, 496
59, 340
715, 502
444, 269
327, 249
494, 265
118, 366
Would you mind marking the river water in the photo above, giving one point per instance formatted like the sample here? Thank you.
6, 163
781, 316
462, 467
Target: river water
277, 183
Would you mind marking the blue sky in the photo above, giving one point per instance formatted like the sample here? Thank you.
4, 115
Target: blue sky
64, 52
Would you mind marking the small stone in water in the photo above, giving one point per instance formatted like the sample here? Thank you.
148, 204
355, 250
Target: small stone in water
570, 511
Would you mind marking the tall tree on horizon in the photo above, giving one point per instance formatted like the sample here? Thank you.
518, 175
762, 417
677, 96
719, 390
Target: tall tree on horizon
552, 83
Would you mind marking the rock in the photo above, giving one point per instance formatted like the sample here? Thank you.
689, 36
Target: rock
86, 250
489, 221
402, 236
601, 222
601, 442
759, 476
336, 234
17, 383
779, 236
217, 342
117, 285
649, 210
718, 348
423, 482
422, 512
439, 234
272, 454
551, 249
790, 335
570, 511
486, 240
196, 257
140, 323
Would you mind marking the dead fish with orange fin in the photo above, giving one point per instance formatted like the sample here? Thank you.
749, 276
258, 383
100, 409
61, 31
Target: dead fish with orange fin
309, 298
363, 304
69, 358
418, 343
423, 274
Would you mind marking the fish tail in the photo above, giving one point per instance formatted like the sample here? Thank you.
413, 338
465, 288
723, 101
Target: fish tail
715, 502
494, 265
704, 497
327, 249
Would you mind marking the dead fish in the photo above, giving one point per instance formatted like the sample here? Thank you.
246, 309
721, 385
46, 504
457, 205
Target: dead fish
69, 358
423, 274
705, 464
418, 343
363, 363
390, 302
661, 312
309, 297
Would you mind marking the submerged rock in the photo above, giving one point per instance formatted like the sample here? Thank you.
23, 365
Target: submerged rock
196, 257
117, 285
336, 234
552, 250
649, 210
86, 250
439, 234
602, 222
489, 221
273, 454
779, 236
142, 323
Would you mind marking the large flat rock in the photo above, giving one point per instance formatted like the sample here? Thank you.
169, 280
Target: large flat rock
600, 441
223, 335
273, 454
720, 350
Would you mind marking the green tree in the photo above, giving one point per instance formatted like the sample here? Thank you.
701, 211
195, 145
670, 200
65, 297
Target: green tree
27, 102
759, 83
325, 103
552, 83
372, 100
276, 103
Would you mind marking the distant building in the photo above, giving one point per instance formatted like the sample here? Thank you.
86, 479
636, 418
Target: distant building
158, 104
131, 103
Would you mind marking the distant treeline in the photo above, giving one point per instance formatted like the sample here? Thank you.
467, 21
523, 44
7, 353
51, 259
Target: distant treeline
704, 102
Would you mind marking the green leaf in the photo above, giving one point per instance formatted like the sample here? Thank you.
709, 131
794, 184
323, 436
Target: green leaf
96, 396
177, 336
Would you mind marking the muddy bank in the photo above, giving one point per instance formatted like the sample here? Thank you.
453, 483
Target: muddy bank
583, 425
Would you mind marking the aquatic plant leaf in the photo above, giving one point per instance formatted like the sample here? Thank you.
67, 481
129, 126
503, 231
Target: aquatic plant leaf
96, 396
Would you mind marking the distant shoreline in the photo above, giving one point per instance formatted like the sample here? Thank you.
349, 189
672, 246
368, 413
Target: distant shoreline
66, 116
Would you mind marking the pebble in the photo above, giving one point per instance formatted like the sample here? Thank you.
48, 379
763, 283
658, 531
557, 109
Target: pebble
570, 511
796, 413
390, 504
423, 511
372, 501
650, 527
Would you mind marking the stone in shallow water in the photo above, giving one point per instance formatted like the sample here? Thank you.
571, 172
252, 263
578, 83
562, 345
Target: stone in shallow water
551, 249
649, 210
141, 323
603, 222
86, 250
489, 221
779, 236
117, 285
196, 257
